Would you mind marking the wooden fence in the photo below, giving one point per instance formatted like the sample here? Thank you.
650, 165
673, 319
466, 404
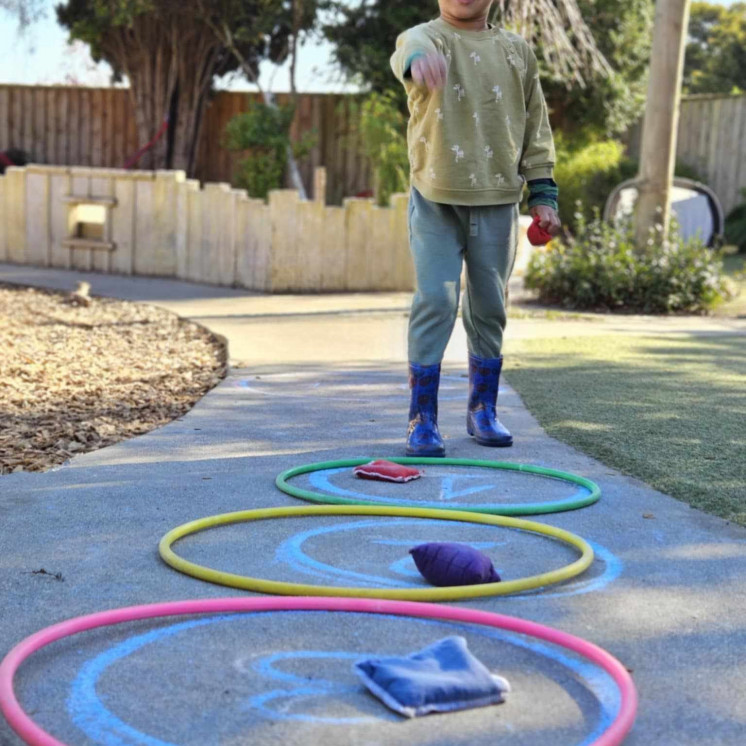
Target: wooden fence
70, 126
162, 224
712, 140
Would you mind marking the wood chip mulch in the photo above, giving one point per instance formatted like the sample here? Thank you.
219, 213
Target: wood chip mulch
80, 374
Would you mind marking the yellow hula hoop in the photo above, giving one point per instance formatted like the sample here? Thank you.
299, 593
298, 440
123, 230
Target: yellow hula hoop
450, 593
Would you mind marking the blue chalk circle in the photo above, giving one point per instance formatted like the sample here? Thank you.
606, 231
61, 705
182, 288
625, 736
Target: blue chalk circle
292, 553
451, 488
89, 713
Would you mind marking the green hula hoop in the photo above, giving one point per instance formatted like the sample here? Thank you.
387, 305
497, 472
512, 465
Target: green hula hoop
450, 593
555, 506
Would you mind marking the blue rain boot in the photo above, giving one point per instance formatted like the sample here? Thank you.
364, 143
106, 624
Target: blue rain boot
481, 417
423, 438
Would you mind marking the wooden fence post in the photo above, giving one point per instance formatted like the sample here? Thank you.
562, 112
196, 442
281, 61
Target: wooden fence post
319, 184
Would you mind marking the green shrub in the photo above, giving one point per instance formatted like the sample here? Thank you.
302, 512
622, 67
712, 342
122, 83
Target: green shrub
735, 225
587, 171
264, 131
601, 268
383, 136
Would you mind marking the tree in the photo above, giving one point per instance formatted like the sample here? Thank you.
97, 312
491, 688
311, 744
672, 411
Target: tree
363, 36
607, 104
285, 26
661, 124
26, 11
170, 53
716, 52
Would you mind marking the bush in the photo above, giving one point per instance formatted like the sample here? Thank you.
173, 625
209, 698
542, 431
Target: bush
264, 131
587, 171
383, 135
735, 225
601, 268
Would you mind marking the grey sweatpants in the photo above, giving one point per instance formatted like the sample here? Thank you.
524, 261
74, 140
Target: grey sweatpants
441, 237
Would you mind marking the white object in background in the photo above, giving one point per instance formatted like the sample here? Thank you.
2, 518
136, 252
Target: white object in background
692, 210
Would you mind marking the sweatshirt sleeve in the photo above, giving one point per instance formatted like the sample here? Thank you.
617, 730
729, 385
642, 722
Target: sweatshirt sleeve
409, 45
538, 145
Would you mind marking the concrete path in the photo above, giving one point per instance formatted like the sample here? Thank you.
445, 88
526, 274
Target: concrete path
666, 593
340, 328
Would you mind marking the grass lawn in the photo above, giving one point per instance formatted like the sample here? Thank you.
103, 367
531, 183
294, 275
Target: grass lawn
668, 410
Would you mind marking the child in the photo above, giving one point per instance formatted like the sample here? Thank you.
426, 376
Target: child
478, 131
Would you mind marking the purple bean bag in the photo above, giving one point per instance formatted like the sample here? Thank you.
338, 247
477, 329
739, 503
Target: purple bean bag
447, 563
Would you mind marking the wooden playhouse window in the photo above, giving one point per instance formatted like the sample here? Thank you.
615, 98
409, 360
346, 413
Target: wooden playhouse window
89, 223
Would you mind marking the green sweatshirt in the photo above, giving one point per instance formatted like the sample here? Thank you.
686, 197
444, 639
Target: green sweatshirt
481, 137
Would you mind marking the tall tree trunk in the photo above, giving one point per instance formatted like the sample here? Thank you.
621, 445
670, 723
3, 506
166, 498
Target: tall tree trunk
661, 122
293, 171
197, 55
144, 54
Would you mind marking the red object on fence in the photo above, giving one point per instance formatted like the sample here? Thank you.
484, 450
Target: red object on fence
144, 149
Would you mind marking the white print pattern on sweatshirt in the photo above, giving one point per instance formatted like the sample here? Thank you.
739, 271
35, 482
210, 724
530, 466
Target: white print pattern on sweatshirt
460, 91
498, 94
500, 179
513, 59
488, 152
432, 175
440, 114
475, 117
459, 153
477, 59
427, 145
473, 178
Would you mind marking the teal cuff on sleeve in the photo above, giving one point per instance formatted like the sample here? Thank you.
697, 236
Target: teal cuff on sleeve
543, 201
408, 64
543, 192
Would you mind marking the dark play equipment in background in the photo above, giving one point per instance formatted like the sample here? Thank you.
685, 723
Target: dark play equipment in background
13, 157
699, 208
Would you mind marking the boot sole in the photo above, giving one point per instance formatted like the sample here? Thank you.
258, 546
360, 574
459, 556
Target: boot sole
493, 443
489, 443
426, 454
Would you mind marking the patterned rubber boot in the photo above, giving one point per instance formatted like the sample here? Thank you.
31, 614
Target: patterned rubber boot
481, 416
423, 437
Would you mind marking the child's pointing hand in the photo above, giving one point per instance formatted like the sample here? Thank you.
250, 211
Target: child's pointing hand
430, 70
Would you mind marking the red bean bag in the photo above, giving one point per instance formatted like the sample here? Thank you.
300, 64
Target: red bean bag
536, 235
386, 471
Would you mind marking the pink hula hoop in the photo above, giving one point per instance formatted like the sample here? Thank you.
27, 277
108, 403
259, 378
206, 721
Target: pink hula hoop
33, 735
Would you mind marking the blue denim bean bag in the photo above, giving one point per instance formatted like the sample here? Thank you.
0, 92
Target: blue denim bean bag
441, 678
